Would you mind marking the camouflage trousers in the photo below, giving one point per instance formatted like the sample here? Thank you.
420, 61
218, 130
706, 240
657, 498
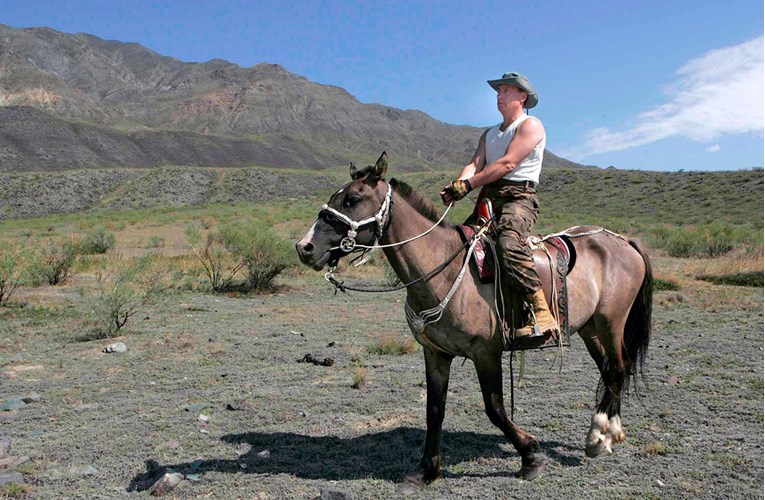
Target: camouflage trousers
516, 207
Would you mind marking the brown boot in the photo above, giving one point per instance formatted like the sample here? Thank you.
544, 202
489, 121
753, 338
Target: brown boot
544, 319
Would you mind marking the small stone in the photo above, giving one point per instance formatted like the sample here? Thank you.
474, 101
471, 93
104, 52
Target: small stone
32, 398
196, 407
172, 444
197, 464
334, 495
166, 484
117, 347
242, 465
11, 477
13, 403
204, 431
203, 418
86, 406
659, 482
83, 470
264, 454
193, 477
673, 380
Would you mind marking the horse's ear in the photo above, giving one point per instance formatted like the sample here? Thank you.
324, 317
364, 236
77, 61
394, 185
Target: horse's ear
381, 166
354, 171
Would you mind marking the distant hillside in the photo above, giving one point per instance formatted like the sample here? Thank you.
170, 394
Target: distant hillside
619, 199
77, 101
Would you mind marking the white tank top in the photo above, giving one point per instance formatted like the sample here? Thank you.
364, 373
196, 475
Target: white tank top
497, 143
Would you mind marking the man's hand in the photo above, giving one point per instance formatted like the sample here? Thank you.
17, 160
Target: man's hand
456, 190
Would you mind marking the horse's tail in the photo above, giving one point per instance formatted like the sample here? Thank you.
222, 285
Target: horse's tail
637, 331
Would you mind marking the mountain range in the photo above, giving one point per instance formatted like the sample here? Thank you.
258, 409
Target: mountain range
76, 101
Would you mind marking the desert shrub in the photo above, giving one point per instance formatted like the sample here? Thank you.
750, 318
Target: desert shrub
707, 241
211, 251
119, 297
156, 242
97, 241
263, 253
11, 272
661, 285
360, 376
390, 344
54, 261
752, 279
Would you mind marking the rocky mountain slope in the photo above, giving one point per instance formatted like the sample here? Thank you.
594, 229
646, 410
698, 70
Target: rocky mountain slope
78, 101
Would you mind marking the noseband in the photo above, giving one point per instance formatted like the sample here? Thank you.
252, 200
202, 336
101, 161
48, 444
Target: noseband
381, 218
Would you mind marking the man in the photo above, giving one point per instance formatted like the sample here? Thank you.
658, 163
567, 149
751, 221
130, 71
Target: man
508, 162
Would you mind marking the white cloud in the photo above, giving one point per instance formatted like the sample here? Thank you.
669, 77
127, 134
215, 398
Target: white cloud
714, 148
717, 94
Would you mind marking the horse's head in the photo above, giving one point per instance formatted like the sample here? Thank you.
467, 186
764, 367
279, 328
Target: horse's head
355, 215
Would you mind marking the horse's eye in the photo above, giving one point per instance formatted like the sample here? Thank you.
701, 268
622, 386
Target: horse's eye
351, 201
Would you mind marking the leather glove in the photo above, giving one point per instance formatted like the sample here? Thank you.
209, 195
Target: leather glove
459, 188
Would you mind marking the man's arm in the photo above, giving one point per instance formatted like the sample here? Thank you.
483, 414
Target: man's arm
525, 140
477, 164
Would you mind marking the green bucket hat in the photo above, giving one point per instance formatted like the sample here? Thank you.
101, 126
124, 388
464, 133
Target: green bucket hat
520, 81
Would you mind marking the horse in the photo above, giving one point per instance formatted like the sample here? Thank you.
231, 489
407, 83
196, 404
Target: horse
609, 294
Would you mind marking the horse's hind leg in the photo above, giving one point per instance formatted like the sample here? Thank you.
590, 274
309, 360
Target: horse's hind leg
490, 377
606, 425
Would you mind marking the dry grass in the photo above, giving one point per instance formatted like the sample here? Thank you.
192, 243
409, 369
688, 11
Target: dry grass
392, 344
656, 448
360, 377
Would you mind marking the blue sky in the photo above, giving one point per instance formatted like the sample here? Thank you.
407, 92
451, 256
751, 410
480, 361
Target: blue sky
651, 85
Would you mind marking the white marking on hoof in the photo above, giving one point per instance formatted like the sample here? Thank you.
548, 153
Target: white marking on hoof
598, 439
615, 430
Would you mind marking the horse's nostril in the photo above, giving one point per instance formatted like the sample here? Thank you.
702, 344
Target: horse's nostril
305, 248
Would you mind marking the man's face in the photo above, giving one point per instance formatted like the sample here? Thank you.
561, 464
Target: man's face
509, 96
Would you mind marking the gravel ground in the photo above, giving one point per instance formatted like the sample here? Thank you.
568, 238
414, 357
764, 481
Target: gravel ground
106, 425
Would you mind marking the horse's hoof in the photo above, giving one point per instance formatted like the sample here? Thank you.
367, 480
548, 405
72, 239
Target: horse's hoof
408, 489
596, 450
530, 472
413, 483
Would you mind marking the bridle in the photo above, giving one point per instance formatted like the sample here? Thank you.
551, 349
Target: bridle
381, 219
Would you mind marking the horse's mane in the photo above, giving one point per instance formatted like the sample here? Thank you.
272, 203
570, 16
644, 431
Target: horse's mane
416, 200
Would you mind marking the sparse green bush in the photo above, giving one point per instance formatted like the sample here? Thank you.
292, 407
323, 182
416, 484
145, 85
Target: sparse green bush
54, 261
264, 254
97, 241
11, 272
119, 299
661, 285
707, 241
216, 259
753, 279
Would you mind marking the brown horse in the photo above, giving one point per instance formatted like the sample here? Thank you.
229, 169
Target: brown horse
609, 291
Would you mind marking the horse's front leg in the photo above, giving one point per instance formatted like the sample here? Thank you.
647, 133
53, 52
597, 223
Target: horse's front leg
490, 376
437, 368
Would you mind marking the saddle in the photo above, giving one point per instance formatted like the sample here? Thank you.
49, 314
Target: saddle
554, 257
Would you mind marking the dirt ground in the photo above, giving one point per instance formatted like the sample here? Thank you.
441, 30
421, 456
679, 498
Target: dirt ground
105, 425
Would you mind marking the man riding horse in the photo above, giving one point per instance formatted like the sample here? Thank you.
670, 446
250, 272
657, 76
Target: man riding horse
507, 163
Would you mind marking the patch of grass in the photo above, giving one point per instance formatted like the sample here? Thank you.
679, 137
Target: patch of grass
390, 344
752, 279
661, 285
727, 459
97, 241
14, 490
656, 448
360, 376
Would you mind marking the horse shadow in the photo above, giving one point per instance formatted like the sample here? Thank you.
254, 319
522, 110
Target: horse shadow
388, 455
